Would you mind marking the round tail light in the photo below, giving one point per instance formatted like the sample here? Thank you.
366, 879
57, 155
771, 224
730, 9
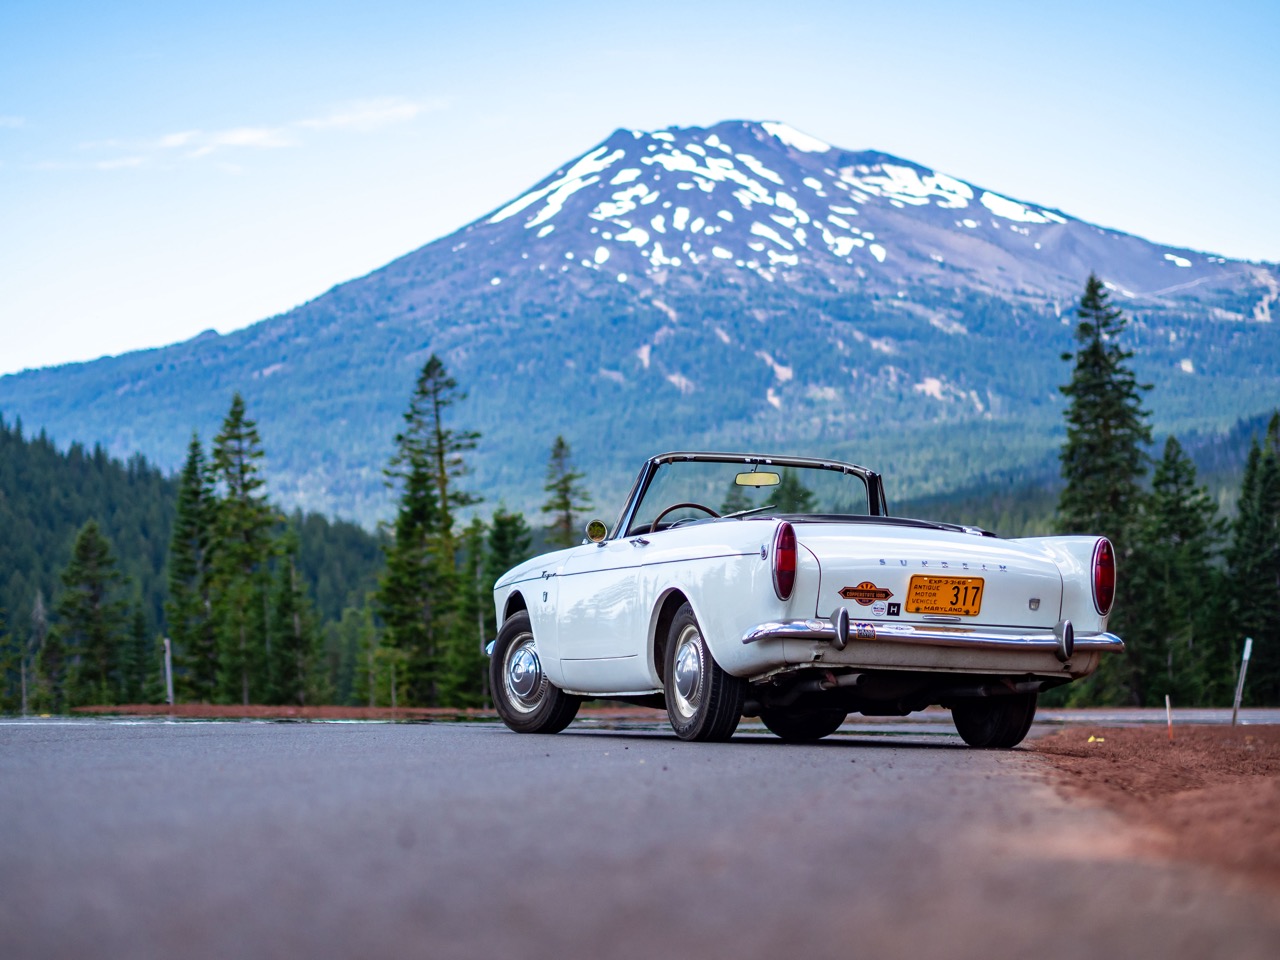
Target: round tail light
784, 561
1104, 576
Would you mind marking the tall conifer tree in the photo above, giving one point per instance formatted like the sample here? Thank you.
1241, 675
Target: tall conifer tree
10, 658
93, 616
138, 662
568, 499
35, 662
188, 608
418, 593
1253, 566
465, 670
240, 557
510, 542
1103, 462
295, 640
1172, 579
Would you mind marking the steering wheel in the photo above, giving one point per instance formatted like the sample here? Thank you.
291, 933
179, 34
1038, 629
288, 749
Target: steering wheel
676, 506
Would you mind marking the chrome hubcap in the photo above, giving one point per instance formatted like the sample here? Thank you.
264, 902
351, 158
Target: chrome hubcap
688, 670
524, 680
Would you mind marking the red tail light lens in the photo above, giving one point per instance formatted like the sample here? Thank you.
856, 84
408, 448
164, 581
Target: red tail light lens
1104, 576
784, 561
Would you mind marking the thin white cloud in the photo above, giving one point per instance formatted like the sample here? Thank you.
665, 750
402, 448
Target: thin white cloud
172, 140
261, 138
11, 122
367, 115
121, 163
357, 116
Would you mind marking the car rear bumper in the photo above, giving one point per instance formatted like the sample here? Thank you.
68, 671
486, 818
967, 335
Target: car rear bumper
932, 635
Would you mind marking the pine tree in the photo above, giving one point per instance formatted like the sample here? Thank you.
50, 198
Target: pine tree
359, 635
735, 501
567, 498
1173, 580
1253, 568
465, 670
32, 672
418, 592
188, 608
510, 542
135, 658
93, 618
792, 496
295, 650
348, 645
1103, 462
10, 679
239, 560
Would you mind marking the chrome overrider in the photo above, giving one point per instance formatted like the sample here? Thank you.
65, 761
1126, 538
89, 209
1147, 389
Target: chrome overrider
837, 630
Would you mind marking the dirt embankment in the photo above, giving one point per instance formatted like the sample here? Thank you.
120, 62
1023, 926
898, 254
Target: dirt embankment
1212, 794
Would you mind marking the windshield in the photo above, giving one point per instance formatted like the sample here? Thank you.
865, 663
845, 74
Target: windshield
737, 487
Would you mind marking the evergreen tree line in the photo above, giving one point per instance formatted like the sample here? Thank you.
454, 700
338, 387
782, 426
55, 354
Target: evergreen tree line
244, 628
1191, 584
239, 611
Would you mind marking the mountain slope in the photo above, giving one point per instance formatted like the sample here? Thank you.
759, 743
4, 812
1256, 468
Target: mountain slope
743, 285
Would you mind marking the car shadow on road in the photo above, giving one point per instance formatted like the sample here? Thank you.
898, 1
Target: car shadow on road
836, 741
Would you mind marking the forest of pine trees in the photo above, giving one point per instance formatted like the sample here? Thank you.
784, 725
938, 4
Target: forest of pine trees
1191, 586
101, 561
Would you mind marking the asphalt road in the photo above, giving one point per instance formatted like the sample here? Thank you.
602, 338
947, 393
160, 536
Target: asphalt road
193, 840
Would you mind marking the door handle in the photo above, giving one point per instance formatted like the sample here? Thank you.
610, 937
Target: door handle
639, 542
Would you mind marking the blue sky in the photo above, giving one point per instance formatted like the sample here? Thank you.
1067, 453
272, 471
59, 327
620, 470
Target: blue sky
167, 168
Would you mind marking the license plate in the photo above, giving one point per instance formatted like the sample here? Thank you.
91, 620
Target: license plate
954, 596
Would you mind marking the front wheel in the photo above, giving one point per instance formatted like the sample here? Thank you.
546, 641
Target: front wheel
802, 726
999, 722
525, 699
703, 702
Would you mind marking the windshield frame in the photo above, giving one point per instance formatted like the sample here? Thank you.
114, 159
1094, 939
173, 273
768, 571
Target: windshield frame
875, 488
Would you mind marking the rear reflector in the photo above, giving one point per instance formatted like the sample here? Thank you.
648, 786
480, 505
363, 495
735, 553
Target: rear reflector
1104, 576
784, 561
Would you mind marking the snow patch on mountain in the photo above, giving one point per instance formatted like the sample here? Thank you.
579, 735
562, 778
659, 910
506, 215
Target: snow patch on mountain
794, 138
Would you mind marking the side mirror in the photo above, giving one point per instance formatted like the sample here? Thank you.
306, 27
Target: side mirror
597, 531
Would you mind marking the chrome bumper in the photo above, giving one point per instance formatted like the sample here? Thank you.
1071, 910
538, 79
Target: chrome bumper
933, 635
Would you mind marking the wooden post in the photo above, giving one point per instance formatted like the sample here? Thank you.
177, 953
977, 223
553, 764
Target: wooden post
1244, 668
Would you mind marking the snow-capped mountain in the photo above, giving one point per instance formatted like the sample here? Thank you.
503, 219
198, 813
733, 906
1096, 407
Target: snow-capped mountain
743, 285
766, 199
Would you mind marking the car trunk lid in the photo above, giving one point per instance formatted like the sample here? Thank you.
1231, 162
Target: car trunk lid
924, 574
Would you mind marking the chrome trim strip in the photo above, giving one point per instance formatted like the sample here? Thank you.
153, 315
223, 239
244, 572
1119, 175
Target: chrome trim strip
988, 638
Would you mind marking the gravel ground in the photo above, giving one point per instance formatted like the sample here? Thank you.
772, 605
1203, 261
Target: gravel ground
1209, 794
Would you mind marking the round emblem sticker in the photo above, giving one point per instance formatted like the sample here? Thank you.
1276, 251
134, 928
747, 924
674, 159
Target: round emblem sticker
878, 608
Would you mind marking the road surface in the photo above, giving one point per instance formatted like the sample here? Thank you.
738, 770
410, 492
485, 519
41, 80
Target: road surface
147, 839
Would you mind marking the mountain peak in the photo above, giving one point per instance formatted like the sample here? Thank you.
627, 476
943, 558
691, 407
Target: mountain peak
765, 198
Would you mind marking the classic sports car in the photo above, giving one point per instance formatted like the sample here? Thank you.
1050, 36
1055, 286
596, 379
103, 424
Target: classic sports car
780, 587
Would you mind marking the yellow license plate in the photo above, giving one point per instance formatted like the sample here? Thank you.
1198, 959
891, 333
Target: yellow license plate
954, 596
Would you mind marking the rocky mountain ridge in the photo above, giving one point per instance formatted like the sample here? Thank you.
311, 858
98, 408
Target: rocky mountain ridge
739, 286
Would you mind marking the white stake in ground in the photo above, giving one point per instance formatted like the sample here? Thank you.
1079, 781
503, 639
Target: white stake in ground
1244, 668
168, 671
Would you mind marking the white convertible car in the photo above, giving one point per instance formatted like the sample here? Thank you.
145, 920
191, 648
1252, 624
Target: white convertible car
780, 587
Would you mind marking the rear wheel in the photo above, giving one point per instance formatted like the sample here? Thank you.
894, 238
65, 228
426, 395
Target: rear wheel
525, 699
703, 702
999, 722
802, 726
